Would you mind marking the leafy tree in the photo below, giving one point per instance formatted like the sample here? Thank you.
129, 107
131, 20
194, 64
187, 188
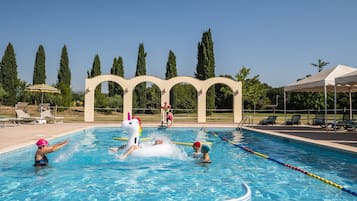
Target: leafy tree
8, 71
117, 69
224, 95
206, 65
153, 99
320, 64
187, 98
39, 71
254, 92
64, 79
140, 89
171, 72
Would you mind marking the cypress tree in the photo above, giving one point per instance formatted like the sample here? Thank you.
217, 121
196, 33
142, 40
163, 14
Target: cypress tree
39, 70
140, 89
111, 84
96, 71
9, 80
171, 72
117, 69
64, 78
206, 65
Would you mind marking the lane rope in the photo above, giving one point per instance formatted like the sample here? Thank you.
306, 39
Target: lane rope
247, 149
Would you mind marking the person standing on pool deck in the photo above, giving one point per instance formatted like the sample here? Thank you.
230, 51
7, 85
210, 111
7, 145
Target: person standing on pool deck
43, 149
166, 107
170, 119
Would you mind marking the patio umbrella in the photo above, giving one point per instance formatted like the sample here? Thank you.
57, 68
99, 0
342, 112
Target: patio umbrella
42, 88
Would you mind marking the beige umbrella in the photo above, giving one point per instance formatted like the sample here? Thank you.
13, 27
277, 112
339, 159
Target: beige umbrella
42, 88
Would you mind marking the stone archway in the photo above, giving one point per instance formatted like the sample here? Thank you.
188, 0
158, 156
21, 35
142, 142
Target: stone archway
165, 86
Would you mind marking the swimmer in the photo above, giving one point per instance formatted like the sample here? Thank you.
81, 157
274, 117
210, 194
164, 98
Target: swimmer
196, 146
135, 147
43, 149
205, 158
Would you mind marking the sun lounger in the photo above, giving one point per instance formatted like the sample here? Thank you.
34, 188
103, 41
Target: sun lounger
270, 120
345, 121
319, 120
50, 118
295, 119
26, 118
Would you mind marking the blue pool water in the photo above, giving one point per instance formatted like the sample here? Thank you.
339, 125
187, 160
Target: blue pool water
86, 170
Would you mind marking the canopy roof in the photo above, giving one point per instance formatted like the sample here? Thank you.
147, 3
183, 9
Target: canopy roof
325, 78
348, 80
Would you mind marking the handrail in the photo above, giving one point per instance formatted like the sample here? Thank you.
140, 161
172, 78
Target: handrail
246, 197
242, 122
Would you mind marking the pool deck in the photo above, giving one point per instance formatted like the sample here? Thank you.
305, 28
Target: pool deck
15, 137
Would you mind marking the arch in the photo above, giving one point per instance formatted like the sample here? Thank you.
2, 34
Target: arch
165, 86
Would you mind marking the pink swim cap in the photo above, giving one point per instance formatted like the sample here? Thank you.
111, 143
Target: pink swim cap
41, 142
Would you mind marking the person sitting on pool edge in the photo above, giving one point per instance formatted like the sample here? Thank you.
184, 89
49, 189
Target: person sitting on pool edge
43, 149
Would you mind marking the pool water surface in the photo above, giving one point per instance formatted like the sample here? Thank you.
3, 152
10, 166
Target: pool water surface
86, 170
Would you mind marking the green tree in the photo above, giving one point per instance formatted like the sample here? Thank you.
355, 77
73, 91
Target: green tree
254, 92
206, 65
224, 95
9, 79
171, 71
64, 79
117, 69
140, 89
95, 71
320, 64
2, 93
39, 70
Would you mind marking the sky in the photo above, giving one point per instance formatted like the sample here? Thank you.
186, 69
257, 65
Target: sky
277, 39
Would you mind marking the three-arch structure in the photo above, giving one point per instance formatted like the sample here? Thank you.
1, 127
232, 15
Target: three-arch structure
165, 86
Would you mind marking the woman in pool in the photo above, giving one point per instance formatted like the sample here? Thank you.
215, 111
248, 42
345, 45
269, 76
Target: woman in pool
205, 157
196, 146
43, 149
201, 148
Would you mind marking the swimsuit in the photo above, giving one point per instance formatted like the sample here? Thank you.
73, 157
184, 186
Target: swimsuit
42, 162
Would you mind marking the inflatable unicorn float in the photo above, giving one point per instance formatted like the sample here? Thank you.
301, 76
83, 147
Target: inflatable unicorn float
150, 148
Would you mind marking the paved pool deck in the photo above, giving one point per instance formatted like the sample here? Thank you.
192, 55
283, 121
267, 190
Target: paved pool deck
15, 137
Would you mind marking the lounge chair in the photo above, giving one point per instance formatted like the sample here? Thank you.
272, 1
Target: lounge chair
26, 118
50, 118
295, 119
319, 120
270, 120
345, 121
8, 121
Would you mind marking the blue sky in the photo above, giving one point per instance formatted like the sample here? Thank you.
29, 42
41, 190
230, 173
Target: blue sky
276, 39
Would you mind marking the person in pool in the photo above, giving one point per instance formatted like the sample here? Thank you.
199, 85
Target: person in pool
197, 149
205, 158
201, 151
43, 149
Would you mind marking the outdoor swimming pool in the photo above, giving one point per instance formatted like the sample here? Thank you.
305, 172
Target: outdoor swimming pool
86, 170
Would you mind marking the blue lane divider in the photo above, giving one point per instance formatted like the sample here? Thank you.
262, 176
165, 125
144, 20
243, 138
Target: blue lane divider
284, 164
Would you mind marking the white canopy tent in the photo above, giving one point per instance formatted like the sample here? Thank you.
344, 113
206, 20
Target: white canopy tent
349, 83
323, 81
